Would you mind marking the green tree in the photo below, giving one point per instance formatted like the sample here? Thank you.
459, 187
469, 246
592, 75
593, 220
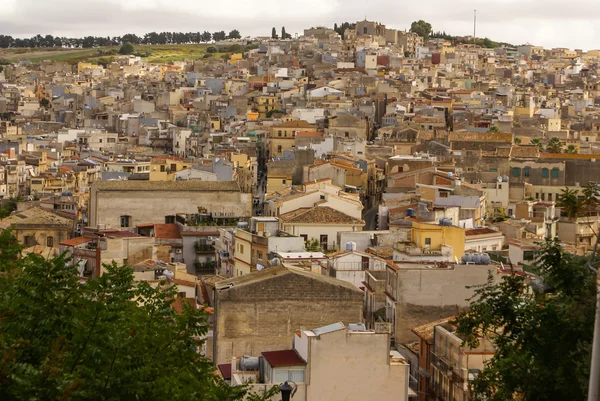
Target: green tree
45, 103
211, 49
206, 36
517, 140
274, 33
107, 338
537, 142
284, 34
554, 145
218, 36
572, 149
127, 48
542, 338
312, 245
493, 128
421, 28
235, 34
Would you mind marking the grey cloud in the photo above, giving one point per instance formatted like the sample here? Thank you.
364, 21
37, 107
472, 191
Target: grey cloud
550, 23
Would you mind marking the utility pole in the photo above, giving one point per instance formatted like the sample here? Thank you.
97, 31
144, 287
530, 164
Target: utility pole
474, 25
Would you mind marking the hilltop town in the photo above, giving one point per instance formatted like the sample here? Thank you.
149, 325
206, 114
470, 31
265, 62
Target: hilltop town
331, 199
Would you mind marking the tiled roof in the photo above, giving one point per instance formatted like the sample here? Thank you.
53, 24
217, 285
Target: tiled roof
480, 137
525, 151
319, 215
283, 358
480, 231
568, 156
167, 186
76, 241
179, 302
34, 217
225, 369
166, 231
294, 124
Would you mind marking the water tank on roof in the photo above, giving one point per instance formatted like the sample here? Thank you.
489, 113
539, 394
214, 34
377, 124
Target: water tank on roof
351, 246
242, 224
505, 178
445, 222
67, 193
499, 179
485, 259
450, 175
476, 258
466, 258
410, 212
248, 363
415, 154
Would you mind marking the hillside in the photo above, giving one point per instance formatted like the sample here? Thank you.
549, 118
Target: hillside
106, 54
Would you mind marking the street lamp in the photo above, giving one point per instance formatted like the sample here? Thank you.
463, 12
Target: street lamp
286, 391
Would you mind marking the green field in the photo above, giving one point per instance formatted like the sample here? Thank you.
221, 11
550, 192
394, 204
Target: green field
150, 53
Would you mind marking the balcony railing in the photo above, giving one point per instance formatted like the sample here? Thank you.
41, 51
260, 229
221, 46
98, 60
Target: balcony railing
203, 248
205, 267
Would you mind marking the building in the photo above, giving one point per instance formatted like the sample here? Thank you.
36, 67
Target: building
124, 204
38, 226
289, 299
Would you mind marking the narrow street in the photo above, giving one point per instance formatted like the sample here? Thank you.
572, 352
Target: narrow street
370, 218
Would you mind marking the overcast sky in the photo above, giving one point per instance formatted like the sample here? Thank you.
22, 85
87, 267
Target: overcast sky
550, 23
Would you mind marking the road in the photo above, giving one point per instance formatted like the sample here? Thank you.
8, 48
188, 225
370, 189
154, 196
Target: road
370, 218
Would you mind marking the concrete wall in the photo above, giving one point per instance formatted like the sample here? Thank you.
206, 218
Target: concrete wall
425, 295
107, 207
354, 366
264, 315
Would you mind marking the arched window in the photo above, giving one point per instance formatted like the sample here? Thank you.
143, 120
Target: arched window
50, 242
555, 173
526, 171
545, 173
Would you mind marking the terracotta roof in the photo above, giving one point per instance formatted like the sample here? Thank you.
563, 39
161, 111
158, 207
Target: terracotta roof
425, 331
166, 186
179, 302
76, 241
525, 151
225, 369
283, 358
319, 215
480, 137
167, 231
196, 233
480, 231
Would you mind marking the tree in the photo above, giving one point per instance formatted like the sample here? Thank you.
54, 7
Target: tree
274, 33
45, 103
572, 149
206, 37
235, 34
211, 49
421, 28
537, 142
218, 36
313, 245
284, 34
554, 145
107, 338
127, 48
493, 128
517, 140
572, 205
532, 331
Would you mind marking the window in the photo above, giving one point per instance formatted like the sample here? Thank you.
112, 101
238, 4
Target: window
304, 236
279, 134
278, 148
550, 197
428, 241
100, 140
111, 140
28, 240
169, 219
443, 194
347, 134
545, 173
526, 171
543, 196
493, 170
50, 242
516, 172
528, 255
125, 221
323, 241
241, 248
181, 294
555, 173
162, 169
537, 195
283, 181
365, 30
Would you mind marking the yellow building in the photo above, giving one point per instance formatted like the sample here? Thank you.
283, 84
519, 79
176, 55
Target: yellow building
81, 66
278, 182
267, 103
164, 169
283, 136
435, 236
236, 57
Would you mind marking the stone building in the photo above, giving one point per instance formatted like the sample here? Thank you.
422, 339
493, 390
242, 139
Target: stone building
261, 311
38, 226
125, 204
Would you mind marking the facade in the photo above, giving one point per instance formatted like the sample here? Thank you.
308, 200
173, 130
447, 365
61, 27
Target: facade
288, 300
123, 204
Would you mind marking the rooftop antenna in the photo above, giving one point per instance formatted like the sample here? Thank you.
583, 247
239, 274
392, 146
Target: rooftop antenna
474, 25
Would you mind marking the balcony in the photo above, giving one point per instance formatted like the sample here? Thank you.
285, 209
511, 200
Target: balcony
203, 249
205, 268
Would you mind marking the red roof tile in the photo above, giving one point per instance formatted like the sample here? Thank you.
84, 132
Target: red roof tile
76, 241
179, 302
225, 369
283, 358
167, 231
